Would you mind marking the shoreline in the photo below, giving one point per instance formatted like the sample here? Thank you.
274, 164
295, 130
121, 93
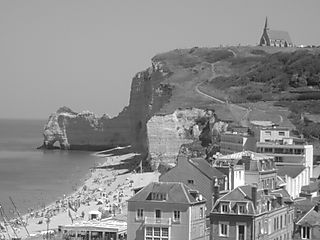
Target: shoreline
111, 185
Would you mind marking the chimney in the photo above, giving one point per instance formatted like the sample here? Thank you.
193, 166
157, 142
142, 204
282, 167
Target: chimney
231, 169
216, 193
254, 196
317, 207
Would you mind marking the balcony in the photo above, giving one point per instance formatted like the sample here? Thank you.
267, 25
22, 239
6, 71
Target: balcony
157, 221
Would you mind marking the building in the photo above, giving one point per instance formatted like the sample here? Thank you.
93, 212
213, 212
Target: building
295, 177
287, 150
106, 229
164, 211
235, 172
308, 227
249, 213
232, 142
258, 168
312, 189
197, 174
275, 38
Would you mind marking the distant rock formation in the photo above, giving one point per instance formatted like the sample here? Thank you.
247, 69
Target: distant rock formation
165, 111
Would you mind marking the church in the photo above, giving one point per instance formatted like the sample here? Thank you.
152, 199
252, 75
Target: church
275, 38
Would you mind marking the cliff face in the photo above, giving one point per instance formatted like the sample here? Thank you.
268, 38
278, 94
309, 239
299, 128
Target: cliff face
165, 111
85, 131
166, 134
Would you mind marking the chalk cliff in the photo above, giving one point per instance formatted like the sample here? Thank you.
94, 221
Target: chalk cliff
165, 111
166, 134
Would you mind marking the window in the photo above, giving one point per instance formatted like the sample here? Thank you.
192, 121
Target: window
156, 233
190, 181
165, 232
149, 231
158, 213
224, 207
241, 232
139, 214
241, 208
201, 212
305, 232
281, 222
176, 216
224, 229
268, 133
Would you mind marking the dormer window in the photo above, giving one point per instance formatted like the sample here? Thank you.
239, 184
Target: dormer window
241, 208
224, 207
157, 196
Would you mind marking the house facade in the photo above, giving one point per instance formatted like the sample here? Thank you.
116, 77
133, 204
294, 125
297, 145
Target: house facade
164, 211
197, 174
258, 168
249, 213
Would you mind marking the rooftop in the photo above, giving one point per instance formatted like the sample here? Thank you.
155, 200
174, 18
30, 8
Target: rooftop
291, 170
239, 155
175, 193
312, 217
203, 166
104, 224
279, 35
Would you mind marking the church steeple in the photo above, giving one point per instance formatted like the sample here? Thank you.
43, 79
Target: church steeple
266, 24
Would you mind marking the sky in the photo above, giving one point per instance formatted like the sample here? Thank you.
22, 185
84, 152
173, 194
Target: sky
83, 54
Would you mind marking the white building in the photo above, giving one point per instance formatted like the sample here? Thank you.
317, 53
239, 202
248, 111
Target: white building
286, 150
295, 177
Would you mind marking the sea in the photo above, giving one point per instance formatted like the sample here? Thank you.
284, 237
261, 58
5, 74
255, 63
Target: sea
34, 178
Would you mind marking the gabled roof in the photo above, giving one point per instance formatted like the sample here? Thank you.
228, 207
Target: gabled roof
175, 193
311, 218
204, 167
239, 194
291, 170
279, 35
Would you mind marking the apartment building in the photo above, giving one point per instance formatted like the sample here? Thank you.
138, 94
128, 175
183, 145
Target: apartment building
197, 174
164, 211
258, 168
249, 213
286, 150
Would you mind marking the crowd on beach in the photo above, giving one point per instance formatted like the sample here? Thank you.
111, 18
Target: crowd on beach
106, 190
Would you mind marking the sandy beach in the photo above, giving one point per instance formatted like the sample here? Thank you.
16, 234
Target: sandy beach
106, 189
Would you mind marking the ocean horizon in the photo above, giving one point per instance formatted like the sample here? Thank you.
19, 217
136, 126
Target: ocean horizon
33, 177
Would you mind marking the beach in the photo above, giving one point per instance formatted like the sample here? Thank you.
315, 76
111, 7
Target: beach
106, 189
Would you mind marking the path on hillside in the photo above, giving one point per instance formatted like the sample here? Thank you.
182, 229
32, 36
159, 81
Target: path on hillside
234, 108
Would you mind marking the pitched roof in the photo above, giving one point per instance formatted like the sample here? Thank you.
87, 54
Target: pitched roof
279, 35
175, 192
239, 194
203, 166
311, 218
312, 187
291, 170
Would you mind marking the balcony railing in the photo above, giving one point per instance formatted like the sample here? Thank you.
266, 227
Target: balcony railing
157, 221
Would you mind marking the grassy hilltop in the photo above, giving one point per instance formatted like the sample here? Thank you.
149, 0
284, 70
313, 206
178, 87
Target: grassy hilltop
278, 84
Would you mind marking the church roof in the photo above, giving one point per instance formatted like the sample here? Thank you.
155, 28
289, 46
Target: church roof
279, 35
